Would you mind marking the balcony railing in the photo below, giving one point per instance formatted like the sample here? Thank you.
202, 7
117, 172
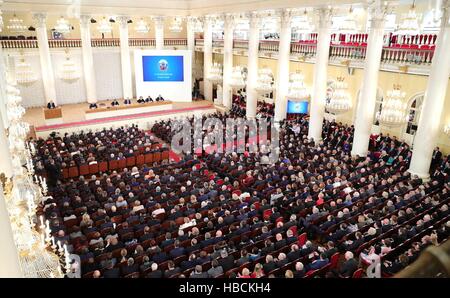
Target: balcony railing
269, 45
105, 42
141, 42
19, 44
348, 51
175, 42
218, 43
305, 48
199, 42
240, 44
407, 55
64, 43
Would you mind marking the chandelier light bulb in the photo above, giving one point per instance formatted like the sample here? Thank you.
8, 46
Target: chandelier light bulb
297, 87
264, 83
104, 26
340, 100
393, 109
16, 25
142, 26
62, 26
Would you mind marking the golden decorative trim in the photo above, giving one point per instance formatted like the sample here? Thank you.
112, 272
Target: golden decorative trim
403, 68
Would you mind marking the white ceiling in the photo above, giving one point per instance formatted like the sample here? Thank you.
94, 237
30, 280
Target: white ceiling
163, 7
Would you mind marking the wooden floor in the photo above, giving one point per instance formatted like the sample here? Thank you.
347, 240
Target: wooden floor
75, 112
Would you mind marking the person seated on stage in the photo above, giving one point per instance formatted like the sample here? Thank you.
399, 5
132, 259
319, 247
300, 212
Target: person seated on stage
141, 100
159, 98
115, 102
51, 105
149, 99
93, 106
127, 101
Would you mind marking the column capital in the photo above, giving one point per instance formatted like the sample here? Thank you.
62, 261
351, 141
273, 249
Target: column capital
445, 17
285, 16
325, 15
159, 21
85, 20
378, 13
39, 19
123, 21
254, 19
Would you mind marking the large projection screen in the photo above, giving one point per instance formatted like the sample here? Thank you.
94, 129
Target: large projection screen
165, 72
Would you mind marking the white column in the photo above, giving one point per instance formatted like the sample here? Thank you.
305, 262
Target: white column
319, 91
88, 59
6, 164
125, 57
48, 77
207, 58
3, 70
8, 250
191, 40
429, 124
366, 109
159, 32
227, 61
252, 66
284, 53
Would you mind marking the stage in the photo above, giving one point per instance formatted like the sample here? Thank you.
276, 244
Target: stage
74, 117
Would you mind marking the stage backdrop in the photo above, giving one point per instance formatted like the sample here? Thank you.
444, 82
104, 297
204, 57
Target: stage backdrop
165, 72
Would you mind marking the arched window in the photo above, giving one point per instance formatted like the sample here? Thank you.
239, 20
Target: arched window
415, 108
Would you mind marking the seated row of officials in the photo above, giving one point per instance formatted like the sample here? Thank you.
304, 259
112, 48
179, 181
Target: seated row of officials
127, 101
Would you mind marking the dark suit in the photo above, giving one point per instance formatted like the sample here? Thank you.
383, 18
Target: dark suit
51, 105
348, 268
112, 273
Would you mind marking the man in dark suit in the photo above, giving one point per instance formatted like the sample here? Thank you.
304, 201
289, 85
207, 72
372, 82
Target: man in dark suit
155, 273
159, 98
171, 269
349, 266
226, 261
269, 265
299, 270
110, 271
127, 101
149, 99
131, 267
114, 103
141, 100
177, 250
51, 105
93, 106
319, 263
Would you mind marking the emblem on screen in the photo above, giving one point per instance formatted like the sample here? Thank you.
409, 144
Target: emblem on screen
163, 65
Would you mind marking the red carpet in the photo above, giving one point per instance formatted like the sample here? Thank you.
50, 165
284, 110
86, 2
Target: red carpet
120, 118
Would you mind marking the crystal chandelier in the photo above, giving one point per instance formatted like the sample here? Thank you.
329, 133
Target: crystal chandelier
270, 25
297, 88
339, 101
104, 26
215, 74
141, 26
409, 24
198, 26
16, 25
23, 197
24, 74
393, 109
447, 129
238, 78
264, 83
176, 26
302, 24
69, 71
62, 26
349, 25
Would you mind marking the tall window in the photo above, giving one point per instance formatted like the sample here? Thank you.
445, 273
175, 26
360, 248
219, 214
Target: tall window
415, 108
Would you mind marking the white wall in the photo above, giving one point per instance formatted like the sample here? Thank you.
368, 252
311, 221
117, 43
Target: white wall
108, 73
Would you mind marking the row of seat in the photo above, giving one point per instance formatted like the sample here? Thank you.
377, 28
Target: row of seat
104, 166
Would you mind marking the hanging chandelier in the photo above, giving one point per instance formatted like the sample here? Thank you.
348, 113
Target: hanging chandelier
16, 25
238, 77
409, 24
302, 24
198, 26
349, 25
215, 74
141, 26
264, 83
24, 74
62, 26
297, 88
104, 26
69, 71
394, 108
447, 129
339, 101
176, 26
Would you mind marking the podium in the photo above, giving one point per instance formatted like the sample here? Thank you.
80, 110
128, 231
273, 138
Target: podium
53, 116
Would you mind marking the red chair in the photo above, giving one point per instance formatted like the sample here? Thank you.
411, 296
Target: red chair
358, 273
122, 163
131, 161
84, 170
302, 239
157, 157
93, 168
334, 260
113, 164
103, 166
165, 155
140, 160
148, 158
65, 172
